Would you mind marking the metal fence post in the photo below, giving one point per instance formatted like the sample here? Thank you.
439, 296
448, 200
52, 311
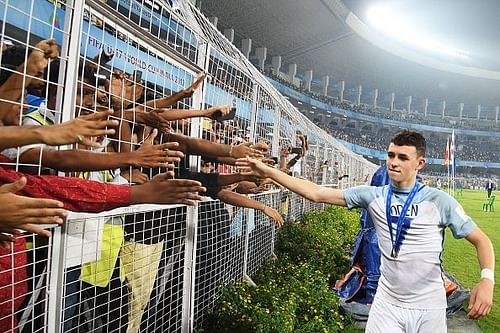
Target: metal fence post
189, 270
246, 246
71, 48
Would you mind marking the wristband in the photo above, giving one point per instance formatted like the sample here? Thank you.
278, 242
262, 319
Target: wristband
487, 273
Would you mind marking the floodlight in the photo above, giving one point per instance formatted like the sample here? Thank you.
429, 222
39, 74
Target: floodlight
394, 23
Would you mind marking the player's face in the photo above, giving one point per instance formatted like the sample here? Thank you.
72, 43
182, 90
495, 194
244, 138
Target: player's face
403, 164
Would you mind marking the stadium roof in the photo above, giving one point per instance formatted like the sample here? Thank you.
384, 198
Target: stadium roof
319, 35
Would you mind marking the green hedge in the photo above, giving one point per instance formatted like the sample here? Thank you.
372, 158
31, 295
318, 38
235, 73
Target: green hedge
324, 240
292, 293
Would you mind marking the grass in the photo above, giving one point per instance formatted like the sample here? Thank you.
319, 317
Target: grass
460, 256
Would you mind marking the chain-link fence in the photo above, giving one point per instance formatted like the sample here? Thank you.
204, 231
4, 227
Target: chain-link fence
148, 268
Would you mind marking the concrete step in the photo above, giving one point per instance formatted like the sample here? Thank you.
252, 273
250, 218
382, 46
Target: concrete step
459, 323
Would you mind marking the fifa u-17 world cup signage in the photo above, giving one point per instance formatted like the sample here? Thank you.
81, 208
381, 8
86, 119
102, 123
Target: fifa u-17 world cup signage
128, 58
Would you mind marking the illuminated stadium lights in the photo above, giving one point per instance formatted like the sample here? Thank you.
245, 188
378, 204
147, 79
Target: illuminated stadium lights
393, 23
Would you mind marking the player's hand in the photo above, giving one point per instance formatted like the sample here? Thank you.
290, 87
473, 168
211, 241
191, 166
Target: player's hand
481, 299
252, 167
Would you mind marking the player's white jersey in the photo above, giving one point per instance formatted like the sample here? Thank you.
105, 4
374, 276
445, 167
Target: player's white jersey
412, 279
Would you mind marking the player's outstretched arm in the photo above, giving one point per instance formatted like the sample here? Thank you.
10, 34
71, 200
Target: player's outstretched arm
305, 188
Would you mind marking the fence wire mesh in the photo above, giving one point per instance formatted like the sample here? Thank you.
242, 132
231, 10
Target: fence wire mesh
144, 268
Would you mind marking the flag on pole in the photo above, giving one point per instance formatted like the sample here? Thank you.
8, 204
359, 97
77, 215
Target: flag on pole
452, 152
452, 160
447, 153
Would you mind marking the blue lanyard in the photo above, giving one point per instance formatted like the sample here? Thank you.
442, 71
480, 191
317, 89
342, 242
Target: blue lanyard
396, 244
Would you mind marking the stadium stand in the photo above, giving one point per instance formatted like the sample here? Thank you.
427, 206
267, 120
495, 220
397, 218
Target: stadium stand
478, 145
433, 117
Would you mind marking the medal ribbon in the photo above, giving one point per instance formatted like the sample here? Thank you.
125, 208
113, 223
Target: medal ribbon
395, 240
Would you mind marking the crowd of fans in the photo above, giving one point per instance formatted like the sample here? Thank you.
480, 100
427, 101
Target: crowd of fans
127, 147
483, 152
468, 149
432, 119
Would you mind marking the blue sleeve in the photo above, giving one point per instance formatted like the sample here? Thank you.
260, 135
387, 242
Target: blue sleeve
359, 196
454, 217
